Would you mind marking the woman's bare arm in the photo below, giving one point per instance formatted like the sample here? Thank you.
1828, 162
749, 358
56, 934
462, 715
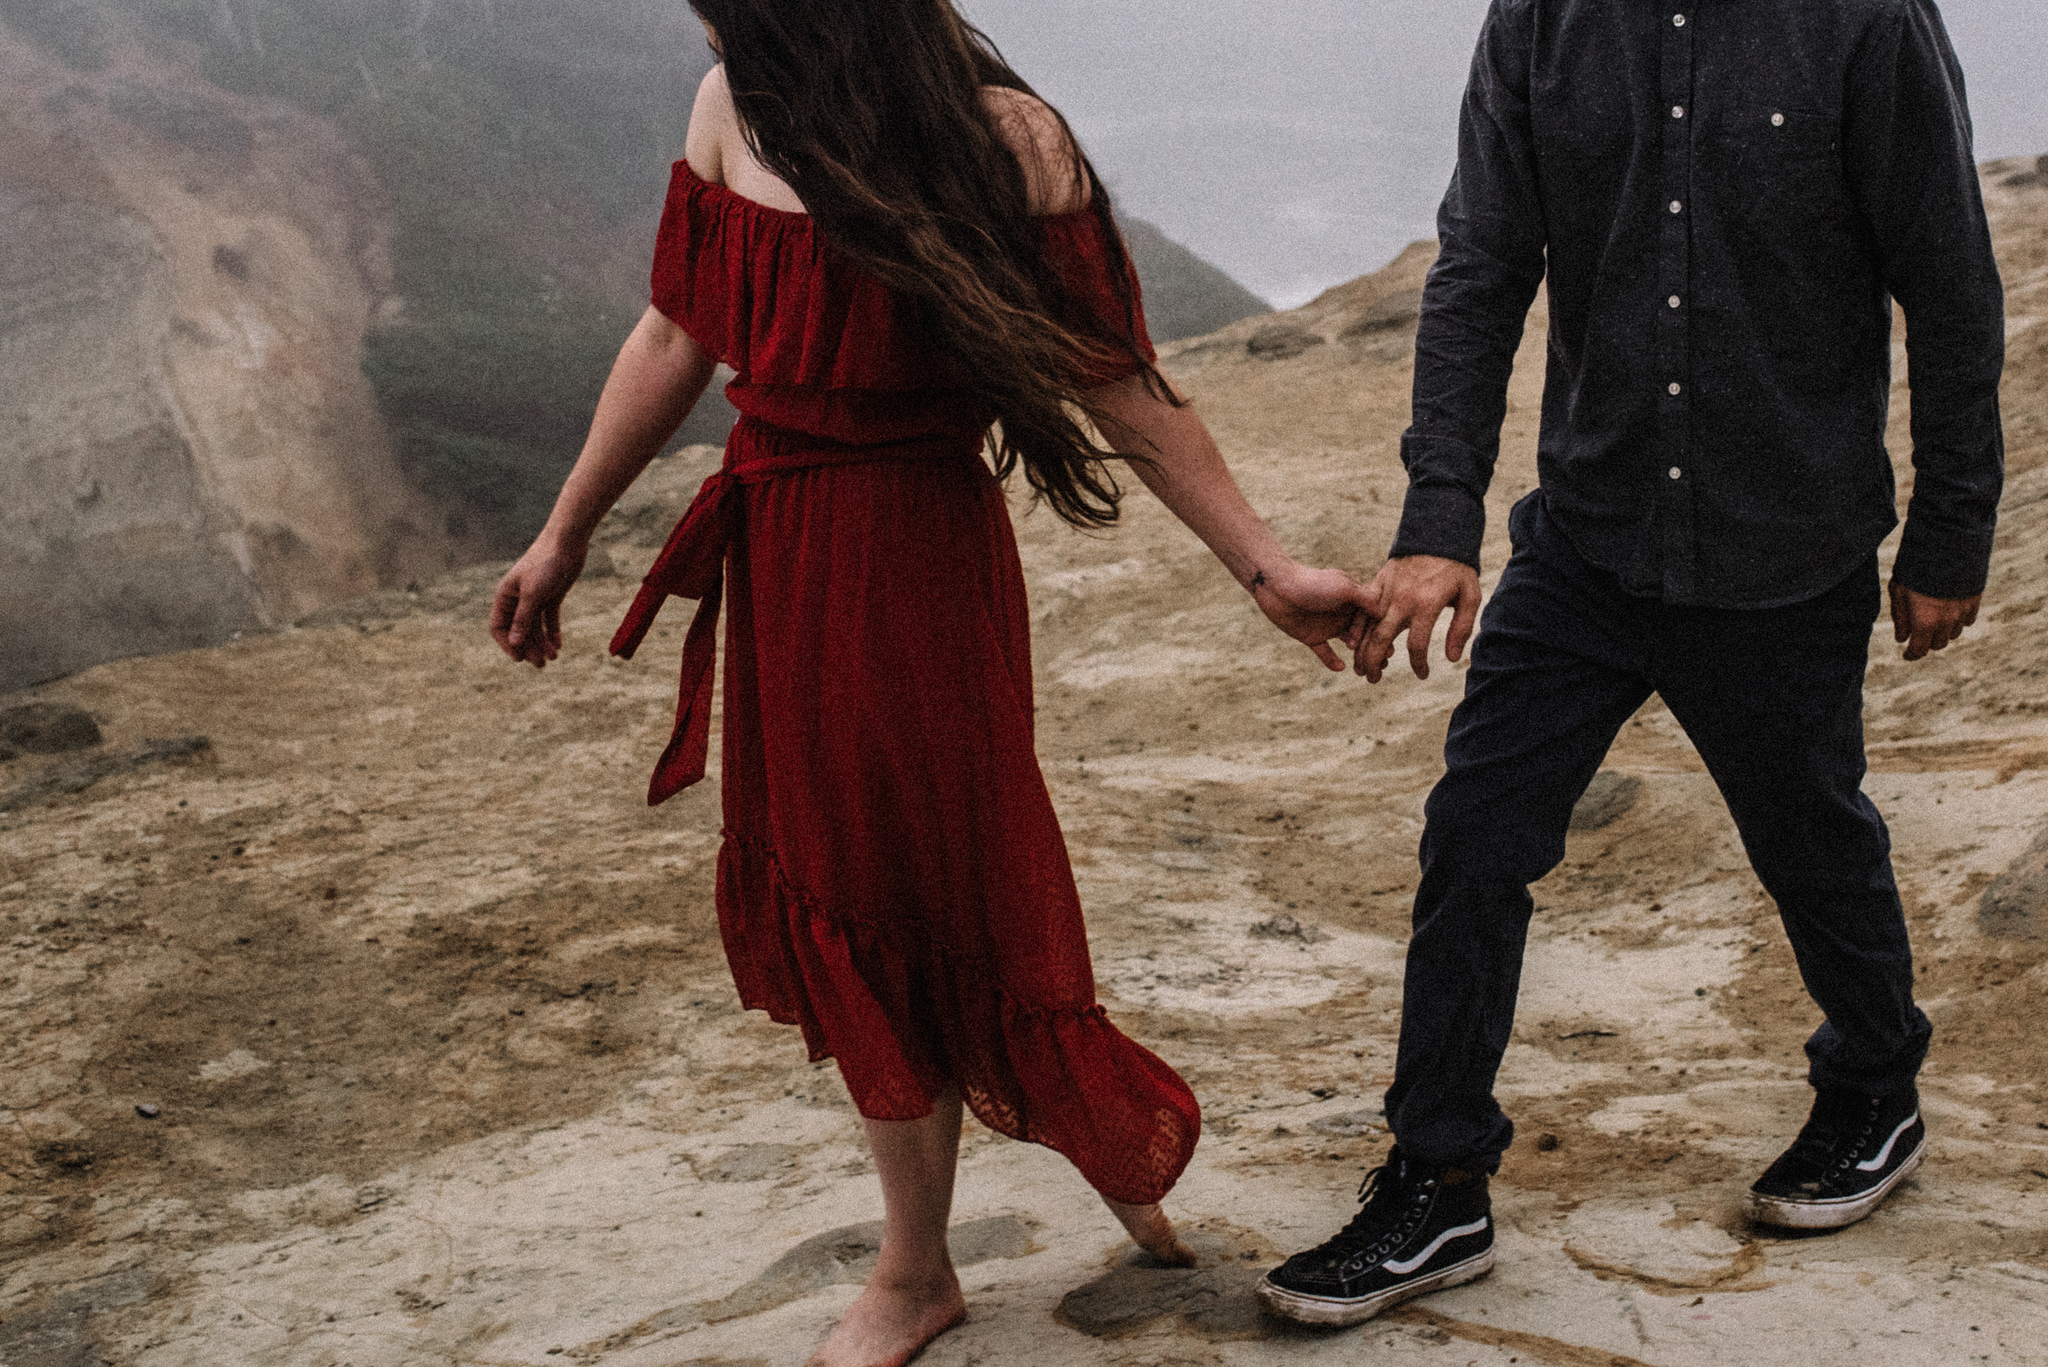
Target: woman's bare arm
1180, 462
1176, 458
660, 374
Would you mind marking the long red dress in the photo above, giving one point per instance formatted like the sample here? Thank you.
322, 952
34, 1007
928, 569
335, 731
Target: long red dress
893, 878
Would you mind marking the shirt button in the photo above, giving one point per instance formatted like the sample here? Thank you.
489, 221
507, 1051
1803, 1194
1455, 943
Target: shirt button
1677, 473
1677, 111
1676, 388
1677, 207
1777, 120
1678, 21
1674, 301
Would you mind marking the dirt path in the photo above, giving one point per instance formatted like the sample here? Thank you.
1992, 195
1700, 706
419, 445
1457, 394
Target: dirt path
448, 1068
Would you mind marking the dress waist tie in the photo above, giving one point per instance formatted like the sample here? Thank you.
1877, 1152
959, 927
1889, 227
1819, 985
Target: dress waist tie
692, 565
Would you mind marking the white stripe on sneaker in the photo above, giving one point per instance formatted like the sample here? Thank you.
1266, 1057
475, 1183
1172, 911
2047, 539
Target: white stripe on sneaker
1404, 1268
1884, 1154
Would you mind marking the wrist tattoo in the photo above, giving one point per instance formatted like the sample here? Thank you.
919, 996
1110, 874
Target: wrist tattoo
1258, 582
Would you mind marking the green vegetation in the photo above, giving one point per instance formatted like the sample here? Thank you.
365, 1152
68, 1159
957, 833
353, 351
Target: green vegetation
490, 390
489, 376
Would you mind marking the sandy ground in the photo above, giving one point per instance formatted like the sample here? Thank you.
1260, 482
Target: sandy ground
449, 1069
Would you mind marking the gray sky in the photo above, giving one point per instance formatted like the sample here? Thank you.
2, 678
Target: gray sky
1298, 143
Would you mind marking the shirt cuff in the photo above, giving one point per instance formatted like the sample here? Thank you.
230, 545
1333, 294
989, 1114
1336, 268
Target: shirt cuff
1441, 520
1944, 562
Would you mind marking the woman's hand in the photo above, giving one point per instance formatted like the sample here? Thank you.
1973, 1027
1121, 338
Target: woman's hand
1316, 607
526, 615
659, 375
1175, 457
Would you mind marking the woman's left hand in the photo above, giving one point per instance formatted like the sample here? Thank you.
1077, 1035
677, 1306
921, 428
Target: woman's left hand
526, 614
1317, 607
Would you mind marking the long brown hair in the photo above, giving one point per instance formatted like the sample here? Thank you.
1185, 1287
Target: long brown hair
873, 111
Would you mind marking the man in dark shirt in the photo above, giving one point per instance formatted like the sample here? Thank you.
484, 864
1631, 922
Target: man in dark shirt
1725, 198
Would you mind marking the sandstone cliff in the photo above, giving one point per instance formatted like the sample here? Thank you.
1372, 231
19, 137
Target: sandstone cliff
188, 448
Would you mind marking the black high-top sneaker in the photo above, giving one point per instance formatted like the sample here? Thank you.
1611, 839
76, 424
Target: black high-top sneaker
1414, 1235
1854, 1150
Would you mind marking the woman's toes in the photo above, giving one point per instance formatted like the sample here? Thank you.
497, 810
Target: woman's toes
1151, 1230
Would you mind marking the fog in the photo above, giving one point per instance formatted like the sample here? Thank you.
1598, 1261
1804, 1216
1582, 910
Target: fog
1298, 144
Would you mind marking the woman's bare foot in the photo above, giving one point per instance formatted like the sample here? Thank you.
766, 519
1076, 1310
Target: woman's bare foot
891, 1323
1152, 1231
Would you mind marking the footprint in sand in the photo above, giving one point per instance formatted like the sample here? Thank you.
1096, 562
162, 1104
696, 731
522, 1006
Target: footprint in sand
839, 1257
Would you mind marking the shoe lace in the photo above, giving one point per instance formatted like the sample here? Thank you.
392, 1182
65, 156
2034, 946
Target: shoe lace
1834, 1133
1389, 1211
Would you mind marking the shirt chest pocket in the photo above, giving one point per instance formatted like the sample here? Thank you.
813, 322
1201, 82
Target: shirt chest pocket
1780, 164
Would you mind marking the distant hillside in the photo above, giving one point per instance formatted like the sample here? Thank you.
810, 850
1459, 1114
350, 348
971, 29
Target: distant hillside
1185, 296
188, 446
523, 146
519, 151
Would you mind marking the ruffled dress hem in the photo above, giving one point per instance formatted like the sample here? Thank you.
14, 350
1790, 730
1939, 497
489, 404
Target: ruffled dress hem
1126, 1119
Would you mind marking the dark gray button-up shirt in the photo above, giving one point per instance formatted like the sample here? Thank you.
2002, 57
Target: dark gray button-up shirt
1726, 197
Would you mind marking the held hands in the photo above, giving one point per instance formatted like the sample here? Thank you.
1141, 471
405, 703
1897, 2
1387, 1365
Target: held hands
1921, 623
526, 616
1412, 593
1316, 607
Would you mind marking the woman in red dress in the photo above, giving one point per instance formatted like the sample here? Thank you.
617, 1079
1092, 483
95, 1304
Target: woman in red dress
897, 246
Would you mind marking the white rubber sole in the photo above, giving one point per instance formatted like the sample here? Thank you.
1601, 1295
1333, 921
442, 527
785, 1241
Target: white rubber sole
1330, 1313
1836, 1214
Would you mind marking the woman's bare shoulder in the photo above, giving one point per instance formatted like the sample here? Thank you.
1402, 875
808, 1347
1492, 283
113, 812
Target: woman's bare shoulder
717, 149
712, 121
1051, 161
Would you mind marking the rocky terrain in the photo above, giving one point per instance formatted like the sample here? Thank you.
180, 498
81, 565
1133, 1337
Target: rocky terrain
191, 447
388, 1027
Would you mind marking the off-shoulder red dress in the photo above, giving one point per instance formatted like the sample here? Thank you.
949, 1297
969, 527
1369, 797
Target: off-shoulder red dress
893, 878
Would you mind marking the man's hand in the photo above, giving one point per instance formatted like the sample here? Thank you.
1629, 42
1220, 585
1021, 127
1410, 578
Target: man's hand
1411, 594
1921, 623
